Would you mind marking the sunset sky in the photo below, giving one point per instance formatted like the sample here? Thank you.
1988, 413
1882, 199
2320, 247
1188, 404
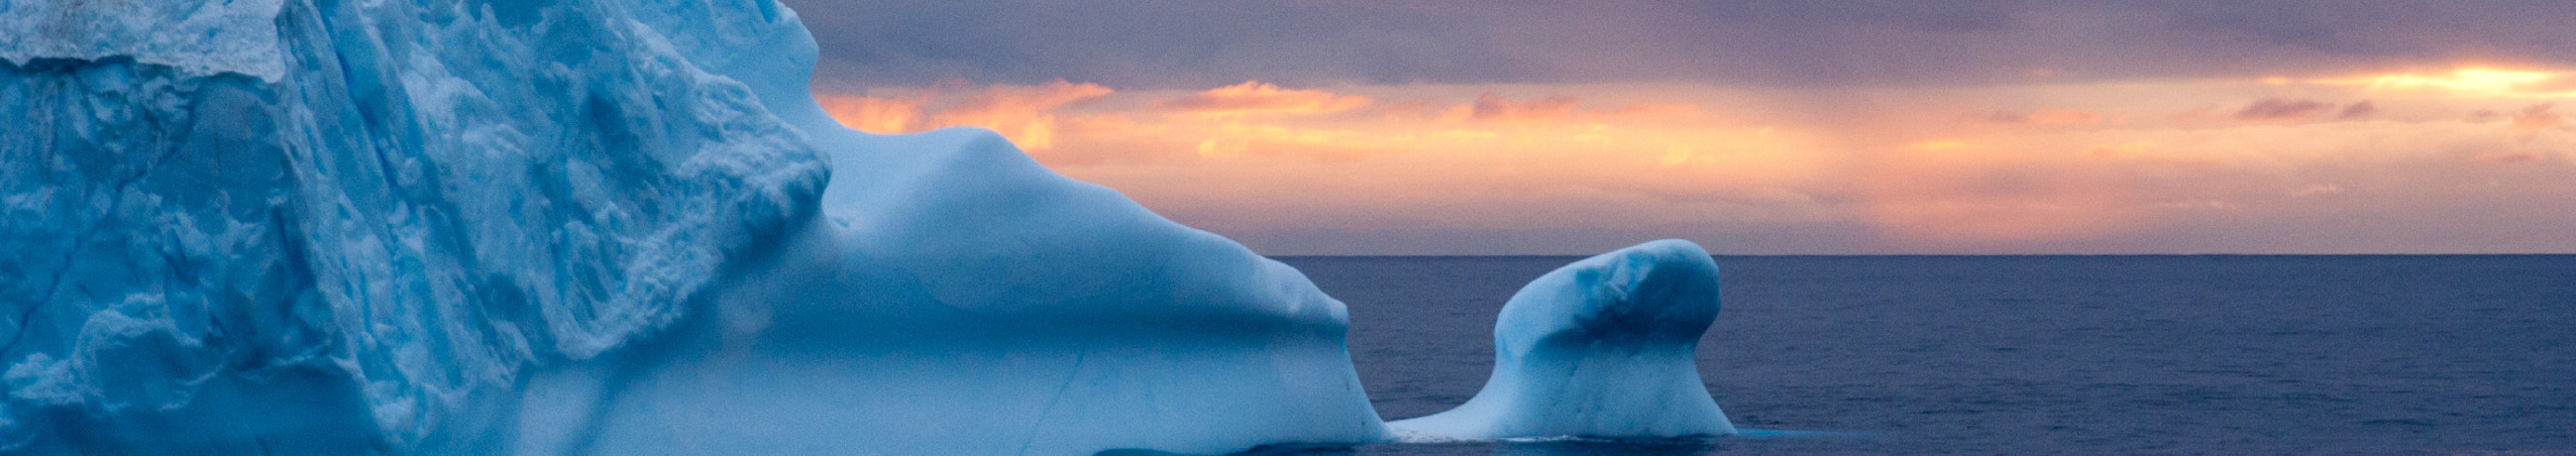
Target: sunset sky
1471, 128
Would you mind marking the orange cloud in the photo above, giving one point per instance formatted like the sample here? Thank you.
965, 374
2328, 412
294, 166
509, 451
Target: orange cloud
1950, 193
875, 115
2475, 81
1939, 145
1255, 97
1409, 109
1899, 164
1025, 114
1020, 113
2536, 118
2064, 116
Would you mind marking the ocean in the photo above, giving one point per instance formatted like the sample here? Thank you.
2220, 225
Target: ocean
2466, 355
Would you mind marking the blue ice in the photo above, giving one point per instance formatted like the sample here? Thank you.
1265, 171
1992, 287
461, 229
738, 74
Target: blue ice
624, 226
1603, 347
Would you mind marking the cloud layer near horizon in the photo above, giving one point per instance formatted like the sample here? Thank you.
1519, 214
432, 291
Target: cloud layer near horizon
1442, 127
2435, 162
1169, 44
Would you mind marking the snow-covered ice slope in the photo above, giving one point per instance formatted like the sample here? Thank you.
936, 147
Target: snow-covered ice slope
567, 226
966, 301
1599, 348
958, 298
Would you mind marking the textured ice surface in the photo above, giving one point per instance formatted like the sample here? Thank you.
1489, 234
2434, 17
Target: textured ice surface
366, 243
1599, 348
196, 38
624, 226
464, 226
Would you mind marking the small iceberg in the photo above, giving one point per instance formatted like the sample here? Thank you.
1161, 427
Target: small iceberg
1599, 348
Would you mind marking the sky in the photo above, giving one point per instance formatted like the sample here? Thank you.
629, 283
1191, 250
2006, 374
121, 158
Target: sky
1325, 127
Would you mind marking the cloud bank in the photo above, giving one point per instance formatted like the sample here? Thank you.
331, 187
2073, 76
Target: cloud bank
2242, 166
1169, 44
1445, 127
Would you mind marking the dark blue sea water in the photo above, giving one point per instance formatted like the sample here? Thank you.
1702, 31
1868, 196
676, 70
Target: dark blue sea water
2469, 355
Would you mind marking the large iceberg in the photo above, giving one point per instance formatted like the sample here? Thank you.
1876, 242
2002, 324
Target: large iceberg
587, 226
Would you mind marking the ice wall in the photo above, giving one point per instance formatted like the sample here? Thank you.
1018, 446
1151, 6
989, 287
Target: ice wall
1602, 347
345, 226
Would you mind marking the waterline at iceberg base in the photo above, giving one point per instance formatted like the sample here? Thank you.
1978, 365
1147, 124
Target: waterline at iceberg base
623, 226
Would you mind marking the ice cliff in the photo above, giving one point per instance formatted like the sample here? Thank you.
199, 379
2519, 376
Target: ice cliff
585, 226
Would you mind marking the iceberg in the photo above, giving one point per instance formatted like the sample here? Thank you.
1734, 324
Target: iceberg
602, 227
272, 225
1603, 347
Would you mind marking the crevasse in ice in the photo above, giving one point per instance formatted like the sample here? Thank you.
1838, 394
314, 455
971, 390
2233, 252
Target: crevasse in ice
610, 226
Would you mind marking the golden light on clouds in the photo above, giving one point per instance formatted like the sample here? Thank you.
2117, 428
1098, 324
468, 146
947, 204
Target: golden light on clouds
1025, 114
1984, 169
2064, 116
2472, 81
1938, 145
2479, 80
1255, 97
